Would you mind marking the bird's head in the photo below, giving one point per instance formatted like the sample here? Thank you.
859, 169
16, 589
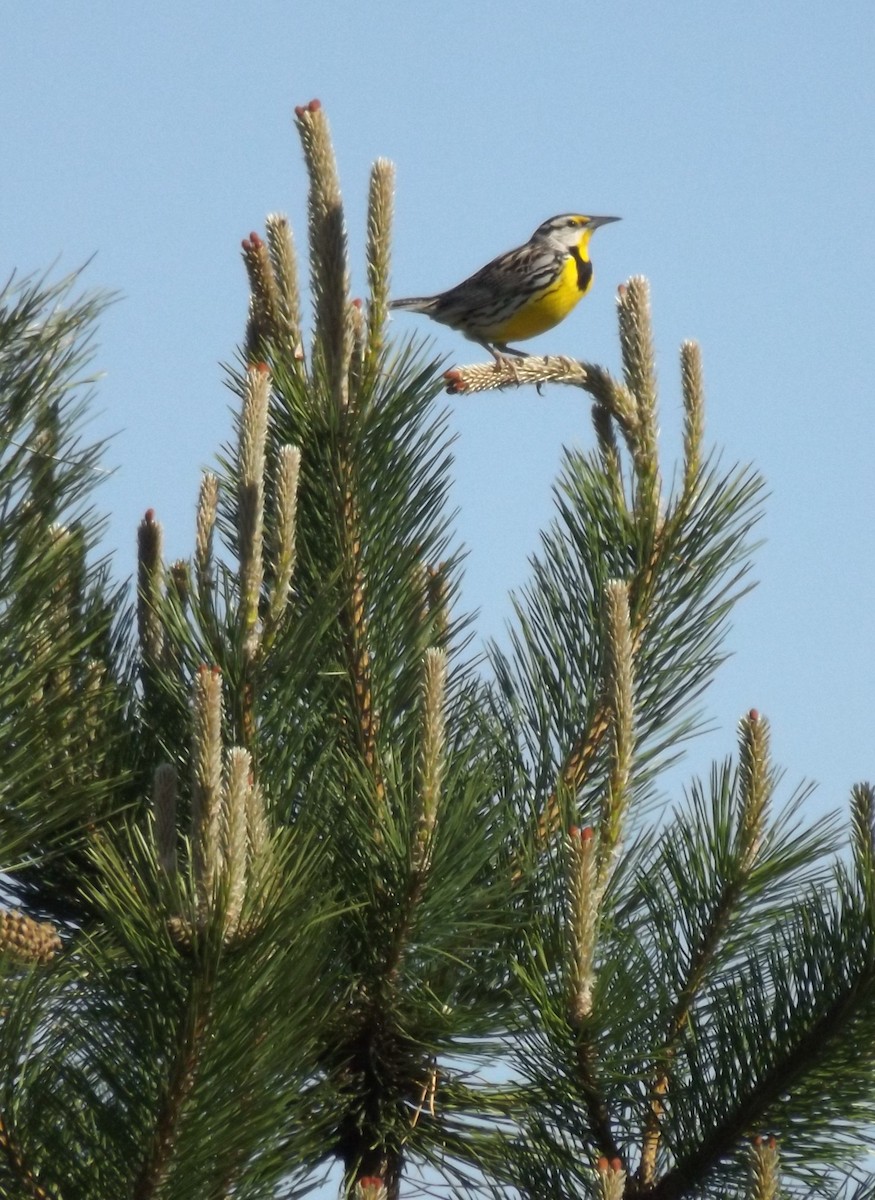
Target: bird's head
570, 231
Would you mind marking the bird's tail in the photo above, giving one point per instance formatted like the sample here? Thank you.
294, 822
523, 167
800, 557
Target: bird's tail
423, 304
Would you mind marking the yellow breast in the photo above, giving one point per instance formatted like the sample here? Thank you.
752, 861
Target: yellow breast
545, 308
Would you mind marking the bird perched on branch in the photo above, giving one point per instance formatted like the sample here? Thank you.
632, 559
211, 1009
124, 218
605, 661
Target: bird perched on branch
521, 293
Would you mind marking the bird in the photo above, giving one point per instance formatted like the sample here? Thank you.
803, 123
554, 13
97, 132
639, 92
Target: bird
521, 293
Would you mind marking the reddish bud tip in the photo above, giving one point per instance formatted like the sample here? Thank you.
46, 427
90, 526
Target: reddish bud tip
455, 383
357, 303
203, 669
254, 240
261, 367
753, 715
314, 105
215, 672
246, 245
773, 1143
370, 1181
602, 1163
585, 835
621, 290
616, 1164
149, 516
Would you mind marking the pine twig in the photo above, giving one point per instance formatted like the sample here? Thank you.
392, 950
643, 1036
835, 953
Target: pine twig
207, 509
236, 856
619, 687
329, 269
693, 390
434, 736
380, 211
639, 370
507, 372
150, 583
265, 321
181, 1080
288, 470
251, 460
358, 641
575, 771
206, 800
585, 896
284, 258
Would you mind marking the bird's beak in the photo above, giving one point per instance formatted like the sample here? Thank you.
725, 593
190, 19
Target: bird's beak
594, 222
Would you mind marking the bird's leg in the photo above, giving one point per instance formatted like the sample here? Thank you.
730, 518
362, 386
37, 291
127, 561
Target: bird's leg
502, 354
500, 359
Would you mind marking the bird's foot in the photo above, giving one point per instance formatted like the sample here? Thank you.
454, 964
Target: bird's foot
505, 357
504, 362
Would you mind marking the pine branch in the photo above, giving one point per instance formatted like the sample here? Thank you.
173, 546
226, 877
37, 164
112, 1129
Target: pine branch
755, 787
595, 1103
814, 1023
682, 557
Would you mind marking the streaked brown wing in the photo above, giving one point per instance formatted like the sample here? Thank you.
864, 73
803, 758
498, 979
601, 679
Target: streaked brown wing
504, 282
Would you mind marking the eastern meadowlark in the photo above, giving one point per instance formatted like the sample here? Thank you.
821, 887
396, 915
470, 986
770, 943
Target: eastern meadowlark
521, 293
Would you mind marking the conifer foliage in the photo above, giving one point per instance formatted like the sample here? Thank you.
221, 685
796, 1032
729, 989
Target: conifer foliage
295, 881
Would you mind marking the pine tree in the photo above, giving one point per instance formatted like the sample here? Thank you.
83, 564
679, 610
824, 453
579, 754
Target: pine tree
296, 880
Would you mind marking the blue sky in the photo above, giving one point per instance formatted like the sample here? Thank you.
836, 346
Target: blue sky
735, 140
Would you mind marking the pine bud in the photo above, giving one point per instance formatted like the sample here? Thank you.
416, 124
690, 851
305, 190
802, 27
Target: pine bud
764, 1179
370, 1187
612, 1179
